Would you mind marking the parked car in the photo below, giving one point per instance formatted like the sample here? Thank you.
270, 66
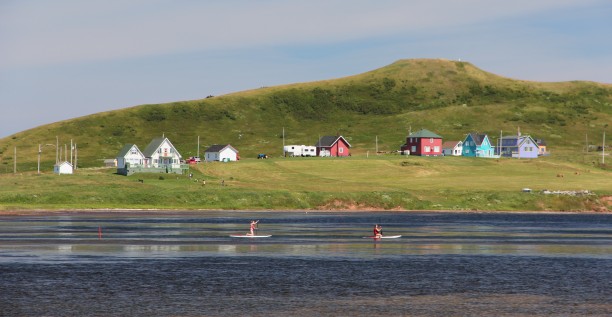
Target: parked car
262, 156
194, 160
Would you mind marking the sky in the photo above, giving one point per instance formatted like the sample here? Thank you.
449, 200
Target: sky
63, 59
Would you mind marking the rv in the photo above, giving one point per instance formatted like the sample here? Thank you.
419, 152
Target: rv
300, 150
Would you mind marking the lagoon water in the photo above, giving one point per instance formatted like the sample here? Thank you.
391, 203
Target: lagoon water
315, 264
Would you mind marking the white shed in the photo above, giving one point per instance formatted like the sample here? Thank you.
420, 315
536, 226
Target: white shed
62, 168
221, 152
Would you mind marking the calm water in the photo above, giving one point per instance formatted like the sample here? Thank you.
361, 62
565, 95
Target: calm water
185, 264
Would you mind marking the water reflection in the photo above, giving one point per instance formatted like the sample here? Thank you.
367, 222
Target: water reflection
314, 234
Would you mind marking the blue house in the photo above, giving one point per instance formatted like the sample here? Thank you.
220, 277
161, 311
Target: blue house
519, 146
477, 145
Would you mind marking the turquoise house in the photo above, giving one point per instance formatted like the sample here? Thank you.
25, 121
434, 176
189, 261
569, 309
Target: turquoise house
477, 145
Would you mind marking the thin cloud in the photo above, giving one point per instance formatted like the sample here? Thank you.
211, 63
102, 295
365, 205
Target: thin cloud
43, 32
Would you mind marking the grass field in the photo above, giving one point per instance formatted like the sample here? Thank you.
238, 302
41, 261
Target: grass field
388, 182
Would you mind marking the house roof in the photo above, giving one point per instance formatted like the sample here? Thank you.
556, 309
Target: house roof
63, 163
424, 133
517, 140
155, 144
478, 138
540, 142
329, 140
219, 148
450, 144
126, 149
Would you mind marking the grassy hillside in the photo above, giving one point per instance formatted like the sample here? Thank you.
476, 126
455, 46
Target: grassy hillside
448, 97
375, 182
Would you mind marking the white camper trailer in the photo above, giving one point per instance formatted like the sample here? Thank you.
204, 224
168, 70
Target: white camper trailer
300, 150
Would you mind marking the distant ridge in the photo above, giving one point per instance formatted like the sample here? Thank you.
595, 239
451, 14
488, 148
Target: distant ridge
450, 98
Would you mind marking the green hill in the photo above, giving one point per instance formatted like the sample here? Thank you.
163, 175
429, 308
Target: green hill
448, 97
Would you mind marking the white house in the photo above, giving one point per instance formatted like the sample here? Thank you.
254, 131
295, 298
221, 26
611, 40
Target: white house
130, 155
453, 148
300, 150
62, 168
221, 152
160, 156
160, 153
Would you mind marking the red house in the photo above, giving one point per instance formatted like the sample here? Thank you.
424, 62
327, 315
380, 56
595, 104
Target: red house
423, 143
333, 146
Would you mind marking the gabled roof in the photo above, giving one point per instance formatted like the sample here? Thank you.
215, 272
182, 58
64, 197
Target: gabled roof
155, 144
126, 149
329, 140
451, 144
63, 163
517, 140
540, 142
219, 148
477, 138
424, 133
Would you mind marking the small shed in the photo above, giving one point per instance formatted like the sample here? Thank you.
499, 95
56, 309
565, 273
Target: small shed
110, 162
221, 152
63, 168
541, 147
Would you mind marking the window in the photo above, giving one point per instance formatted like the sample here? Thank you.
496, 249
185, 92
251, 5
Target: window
413, 150
430, 140
159, 150
427, 149
436, 149
341, 150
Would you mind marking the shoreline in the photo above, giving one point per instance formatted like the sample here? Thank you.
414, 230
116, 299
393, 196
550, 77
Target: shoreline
158, 212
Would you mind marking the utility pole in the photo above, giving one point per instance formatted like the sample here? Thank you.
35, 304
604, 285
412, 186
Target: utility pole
15, 162
501, 136
39, 151
284, 142
377, 145
603, 148
198, 146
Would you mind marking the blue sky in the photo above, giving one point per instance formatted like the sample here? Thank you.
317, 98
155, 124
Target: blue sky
63, 59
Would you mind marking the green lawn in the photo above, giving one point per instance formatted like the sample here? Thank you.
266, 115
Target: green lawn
358, 182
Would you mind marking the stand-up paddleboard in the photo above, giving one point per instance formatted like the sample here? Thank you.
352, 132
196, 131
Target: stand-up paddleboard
383, 237
249, 236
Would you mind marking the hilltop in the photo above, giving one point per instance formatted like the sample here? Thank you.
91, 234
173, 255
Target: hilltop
451, 98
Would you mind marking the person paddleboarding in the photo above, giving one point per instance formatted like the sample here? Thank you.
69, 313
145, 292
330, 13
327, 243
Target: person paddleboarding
378, 231
253, 227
